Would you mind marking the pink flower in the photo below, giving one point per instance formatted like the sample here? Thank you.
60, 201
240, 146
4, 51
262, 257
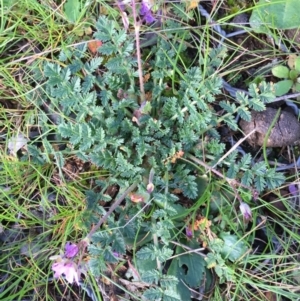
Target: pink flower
68, 269
65, 264
71, 250
246, 211
150, 187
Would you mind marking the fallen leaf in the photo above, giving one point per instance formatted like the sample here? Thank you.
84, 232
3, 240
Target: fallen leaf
16, 143
136, 198
291, 61
178, 155
147, 77
271, 296
192, 4
94, 45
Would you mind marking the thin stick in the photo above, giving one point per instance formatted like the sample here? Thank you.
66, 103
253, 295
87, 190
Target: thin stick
111, 209
138, 51
190, 250
234, 147
231, 182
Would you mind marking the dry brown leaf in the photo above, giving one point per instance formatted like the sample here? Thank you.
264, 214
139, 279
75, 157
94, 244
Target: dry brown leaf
192, 4
291, 61
136, 198
147, 77
94, 45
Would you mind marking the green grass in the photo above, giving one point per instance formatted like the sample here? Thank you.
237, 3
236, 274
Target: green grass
40, 210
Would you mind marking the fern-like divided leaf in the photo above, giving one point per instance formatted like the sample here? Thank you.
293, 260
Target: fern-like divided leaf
104, 121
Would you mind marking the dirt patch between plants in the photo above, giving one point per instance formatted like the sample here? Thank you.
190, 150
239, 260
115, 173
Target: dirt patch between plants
286, 130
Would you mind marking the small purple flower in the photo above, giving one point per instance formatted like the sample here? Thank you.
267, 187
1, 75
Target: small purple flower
121, 5
69, 269
71, 250
65, 264
246, 211
149, 18
293, 189
188, 232
145, 11
144, 8
255, 195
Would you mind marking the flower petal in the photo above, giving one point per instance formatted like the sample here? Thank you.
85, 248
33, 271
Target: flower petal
68, 269
145, 11
246, 211
71, 250
71, 273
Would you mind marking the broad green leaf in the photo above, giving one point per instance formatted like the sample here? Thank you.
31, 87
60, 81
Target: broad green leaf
72, 10
274, 179
283, 87
190, 267
297, 87
297, 64
233, 248
293, 74
176, 270
279, 14
280, 71
245, 162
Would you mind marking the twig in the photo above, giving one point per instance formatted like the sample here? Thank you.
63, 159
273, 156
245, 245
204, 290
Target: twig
231, 182
111, 209
234, 147
138, 51
288, 96
190, 250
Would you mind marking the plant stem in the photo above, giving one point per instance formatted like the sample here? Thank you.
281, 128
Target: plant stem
234, 147
155, 242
